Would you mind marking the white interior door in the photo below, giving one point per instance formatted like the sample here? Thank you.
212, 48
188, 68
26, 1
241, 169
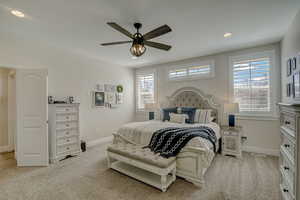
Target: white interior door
32, 115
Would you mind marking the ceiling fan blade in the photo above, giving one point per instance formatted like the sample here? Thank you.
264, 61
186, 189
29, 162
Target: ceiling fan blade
158, 45
120, 29
157, 32
114, 43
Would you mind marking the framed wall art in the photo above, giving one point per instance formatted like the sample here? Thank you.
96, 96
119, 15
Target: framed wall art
288, 67
294, 63
288, 89
296, 85
110, 88
98, 99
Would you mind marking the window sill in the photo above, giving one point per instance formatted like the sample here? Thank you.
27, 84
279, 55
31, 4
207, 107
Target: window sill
257, 117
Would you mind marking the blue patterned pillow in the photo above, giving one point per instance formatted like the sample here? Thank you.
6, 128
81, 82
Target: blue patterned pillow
167, 111
190, 112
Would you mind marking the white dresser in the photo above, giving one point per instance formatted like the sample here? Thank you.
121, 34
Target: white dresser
289, 156
64, 135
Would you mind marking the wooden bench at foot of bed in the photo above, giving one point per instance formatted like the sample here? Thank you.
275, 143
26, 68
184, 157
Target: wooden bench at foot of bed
142, 164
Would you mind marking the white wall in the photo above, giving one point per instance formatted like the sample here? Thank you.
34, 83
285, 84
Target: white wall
74, 73
290, 46
263, 136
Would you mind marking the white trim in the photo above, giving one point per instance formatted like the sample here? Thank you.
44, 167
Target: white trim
99, 141
7, 148
273, 74
252, 149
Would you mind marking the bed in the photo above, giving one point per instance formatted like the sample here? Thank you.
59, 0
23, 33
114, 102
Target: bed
196, 157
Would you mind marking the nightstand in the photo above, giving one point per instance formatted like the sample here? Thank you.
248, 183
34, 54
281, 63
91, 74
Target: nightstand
232, 141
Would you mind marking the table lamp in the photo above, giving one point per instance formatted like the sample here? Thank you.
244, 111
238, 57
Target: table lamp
231, 109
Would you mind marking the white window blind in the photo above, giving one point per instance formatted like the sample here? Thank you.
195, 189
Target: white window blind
204, 69
177, 73
145, 89
198, 70
251, 84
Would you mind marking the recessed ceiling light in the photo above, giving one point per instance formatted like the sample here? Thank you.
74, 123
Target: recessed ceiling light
17, 13
226, 35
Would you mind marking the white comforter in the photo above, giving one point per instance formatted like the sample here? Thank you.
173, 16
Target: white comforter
141, 132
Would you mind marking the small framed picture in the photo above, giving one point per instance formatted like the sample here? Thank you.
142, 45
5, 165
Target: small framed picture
294, 63
288, 89
98, 99
296, 85
288, 67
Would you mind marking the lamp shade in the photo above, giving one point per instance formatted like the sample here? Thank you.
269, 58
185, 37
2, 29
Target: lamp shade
231, 108
151, 106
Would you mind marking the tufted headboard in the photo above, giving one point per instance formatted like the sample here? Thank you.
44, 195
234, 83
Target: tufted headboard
193, 97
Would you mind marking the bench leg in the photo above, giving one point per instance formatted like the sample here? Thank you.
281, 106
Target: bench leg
163, 183
108, 161
174, 174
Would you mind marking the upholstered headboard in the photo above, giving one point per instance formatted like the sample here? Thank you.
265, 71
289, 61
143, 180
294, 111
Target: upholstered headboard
193, 97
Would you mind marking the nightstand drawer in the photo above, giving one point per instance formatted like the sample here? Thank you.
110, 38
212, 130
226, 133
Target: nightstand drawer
230, 143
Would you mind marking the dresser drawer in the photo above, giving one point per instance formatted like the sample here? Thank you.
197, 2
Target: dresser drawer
66, 125
288, 172
63, 149
67, 140
288, 145
288, 121
66, 117
67, 133
286, 195
66, 109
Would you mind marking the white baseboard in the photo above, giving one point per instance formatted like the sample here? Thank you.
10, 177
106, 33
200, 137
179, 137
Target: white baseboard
252, 149
7, 148
99, 141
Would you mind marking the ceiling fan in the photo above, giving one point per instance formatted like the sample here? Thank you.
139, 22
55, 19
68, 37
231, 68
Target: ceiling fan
139, 41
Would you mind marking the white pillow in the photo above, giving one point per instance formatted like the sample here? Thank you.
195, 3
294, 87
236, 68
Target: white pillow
203, 116
178, 118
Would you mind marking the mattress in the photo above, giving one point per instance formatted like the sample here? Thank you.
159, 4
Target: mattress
141, 133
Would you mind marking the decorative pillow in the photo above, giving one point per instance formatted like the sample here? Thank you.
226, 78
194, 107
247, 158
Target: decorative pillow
178, 118
203, 116
190, 112
167, 111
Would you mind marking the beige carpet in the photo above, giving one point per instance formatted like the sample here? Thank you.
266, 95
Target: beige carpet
255, 177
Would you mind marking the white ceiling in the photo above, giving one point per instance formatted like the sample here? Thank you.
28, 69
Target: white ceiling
198, 25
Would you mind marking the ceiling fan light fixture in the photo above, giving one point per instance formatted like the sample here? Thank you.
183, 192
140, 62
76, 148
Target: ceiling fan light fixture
137, 49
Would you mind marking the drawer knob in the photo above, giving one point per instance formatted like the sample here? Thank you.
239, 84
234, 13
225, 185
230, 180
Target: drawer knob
67, 125
286, 145
68, 140
287, 122
68, 148
67, 133
286, 168
285, 190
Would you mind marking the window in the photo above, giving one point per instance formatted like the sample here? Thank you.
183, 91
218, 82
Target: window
251, 83
145, 89
190, 71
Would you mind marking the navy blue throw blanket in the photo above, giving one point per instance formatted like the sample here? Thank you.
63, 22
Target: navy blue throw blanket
169, 141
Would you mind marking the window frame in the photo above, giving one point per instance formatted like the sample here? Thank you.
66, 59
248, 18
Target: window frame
187, 65
272, 114
144, 72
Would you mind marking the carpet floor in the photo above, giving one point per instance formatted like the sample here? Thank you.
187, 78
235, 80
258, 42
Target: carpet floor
255, 177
